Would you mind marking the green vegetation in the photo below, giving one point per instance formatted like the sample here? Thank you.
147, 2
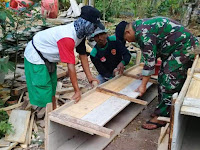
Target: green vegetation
141, 8
5, 127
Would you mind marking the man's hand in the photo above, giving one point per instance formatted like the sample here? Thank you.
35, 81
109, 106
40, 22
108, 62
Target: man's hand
90, 80
141, 89
76, 96
120, 68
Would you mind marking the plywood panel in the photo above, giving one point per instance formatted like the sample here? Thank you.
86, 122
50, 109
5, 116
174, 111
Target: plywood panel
194, 89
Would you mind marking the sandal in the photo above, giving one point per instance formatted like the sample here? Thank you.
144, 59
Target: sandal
158, 125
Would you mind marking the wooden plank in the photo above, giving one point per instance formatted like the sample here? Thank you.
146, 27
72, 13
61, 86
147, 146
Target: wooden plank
191, 102
4, 143
191, 111
179, 120
164, 144
112, 106
12, 106
93, 99
122, 96
166, 119
31, 128
194, 89
163, 133
138, 57
78, 140
19, 119
174, 97
19, 90
80, 124
138, 77
10, 147
49, 108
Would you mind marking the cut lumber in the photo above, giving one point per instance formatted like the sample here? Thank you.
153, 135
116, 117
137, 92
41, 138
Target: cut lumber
163, 133
10, 147
138, 57
12, 107
122, 96
138, 77
19, 90
166, 119
21, 96
4, 143
19, 120
80, 124
49, 108
31, 128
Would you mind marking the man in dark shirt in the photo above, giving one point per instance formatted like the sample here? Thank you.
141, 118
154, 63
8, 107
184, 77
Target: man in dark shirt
109, 55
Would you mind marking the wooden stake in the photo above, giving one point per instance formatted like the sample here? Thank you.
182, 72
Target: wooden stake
49, 108
119, 95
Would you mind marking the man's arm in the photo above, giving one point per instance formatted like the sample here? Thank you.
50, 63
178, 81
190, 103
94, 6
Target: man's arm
86, 68
73, 78
126, 56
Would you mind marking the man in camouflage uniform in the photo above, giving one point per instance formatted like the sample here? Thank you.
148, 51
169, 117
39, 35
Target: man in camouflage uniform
169, 40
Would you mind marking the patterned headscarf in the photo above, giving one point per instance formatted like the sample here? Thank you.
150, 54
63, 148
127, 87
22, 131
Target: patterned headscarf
83, 27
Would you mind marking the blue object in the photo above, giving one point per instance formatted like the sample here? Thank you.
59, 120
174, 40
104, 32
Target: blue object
7, 4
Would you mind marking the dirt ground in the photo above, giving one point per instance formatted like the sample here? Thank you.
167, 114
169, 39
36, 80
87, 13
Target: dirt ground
133, 137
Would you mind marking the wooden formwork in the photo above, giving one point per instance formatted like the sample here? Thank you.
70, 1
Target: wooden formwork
78, 126
185, 126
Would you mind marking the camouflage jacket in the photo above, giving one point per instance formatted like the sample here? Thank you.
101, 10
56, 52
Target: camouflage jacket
160, 37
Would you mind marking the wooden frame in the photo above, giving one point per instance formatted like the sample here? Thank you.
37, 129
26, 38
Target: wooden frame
95, 109
180, 121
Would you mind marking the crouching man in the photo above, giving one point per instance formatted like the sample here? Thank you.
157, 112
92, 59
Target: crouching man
109, 56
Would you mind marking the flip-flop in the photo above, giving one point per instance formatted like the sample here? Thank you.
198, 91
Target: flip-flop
158, 125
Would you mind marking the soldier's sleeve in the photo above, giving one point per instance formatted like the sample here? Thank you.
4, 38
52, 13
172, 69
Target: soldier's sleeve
147, 42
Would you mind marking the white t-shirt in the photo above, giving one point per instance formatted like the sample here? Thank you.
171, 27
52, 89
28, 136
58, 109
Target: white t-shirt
56, 44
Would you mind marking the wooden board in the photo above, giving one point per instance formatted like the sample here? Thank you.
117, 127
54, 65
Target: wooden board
19, 120
181, 120
64, 138
191, 103
11, 146
90, 101
112, 106
95, 103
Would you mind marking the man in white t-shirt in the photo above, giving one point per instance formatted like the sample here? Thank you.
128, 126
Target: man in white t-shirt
54, 45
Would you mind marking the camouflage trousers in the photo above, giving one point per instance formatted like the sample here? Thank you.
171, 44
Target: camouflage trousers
171, 80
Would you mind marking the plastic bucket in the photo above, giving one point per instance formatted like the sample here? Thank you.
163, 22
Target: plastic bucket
49, 8
17, 4
157, 67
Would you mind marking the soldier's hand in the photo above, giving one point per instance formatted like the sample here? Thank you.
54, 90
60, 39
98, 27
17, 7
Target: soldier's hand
141, 89
76, 96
